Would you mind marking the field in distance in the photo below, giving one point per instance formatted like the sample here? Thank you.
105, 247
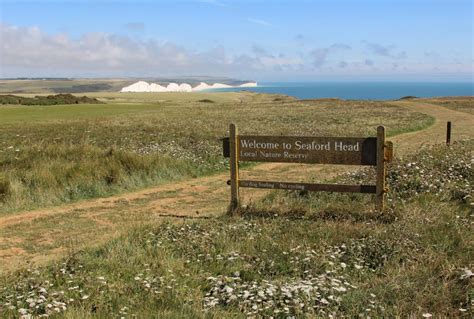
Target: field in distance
79, 86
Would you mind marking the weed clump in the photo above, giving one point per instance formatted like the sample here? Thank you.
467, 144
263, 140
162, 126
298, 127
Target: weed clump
206, 101
5, 189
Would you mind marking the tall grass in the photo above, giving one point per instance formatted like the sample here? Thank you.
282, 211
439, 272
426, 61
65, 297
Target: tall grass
58, 173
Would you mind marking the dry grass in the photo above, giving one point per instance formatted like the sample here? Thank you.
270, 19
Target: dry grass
462, 104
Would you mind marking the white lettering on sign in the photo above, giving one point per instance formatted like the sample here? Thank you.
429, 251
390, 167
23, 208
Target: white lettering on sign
339, 146
300, 149
262, 145
292, 186
294, 156
298, 145
270, 154
313, 146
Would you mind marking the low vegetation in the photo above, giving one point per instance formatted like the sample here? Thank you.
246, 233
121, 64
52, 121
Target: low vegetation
60, 153
292, 255
61, 85
462, 104
58, 99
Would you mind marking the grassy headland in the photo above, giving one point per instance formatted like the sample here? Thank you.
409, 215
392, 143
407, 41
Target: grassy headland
61, 153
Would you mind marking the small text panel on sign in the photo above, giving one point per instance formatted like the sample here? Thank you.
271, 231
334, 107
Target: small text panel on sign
368, 189
314, 150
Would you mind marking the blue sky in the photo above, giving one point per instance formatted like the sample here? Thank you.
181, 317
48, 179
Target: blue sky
400, 40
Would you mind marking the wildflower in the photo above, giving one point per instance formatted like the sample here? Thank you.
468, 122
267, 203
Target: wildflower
23, 311
467, 274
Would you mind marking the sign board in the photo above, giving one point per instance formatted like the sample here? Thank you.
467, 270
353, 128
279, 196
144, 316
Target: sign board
368, 189
311, 150
373, 151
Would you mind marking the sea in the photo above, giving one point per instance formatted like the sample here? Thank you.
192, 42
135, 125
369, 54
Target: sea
361, 90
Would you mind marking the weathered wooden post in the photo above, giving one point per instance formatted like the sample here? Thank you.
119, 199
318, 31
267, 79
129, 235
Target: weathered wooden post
234, 168
380, 182
448, 133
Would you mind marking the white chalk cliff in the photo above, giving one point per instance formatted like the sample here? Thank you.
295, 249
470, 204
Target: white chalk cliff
142, 86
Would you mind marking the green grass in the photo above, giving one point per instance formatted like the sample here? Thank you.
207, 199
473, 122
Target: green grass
316, 255
62, 86
55, 154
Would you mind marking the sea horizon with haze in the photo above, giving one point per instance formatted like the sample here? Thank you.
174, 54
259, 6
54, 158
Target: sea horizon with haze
361, 90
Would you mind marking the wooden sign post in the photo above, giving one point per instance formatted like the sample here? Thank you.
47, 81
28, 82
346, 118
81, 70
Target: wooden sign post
372, 151
448, 133
380, 170
234, 168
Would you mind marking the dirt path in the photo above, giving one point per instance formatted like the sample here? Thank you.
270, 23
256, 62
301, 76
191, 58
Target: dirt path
462, 127
41, 235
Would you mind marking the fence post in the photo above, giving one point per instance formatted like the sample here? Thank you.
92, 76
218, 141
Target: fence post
448, 133
381, 171
234, 168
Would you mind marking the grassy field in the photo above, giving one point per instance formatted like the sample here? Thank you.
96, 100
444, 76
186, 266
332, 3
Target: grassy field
290, 255
465, 104
61, 153
62, 85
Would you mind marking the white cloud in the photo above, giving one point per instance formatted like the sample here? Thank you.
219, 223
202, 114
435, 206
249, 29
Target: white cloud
31, 52
34, 49
260, 22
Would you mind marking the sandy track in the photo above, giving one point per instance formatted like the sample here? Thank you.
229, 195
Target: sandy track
40, 235
462, 127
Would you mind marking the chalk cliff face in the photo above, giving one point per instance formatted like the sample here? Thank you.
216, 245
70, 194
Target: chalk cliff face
142, 86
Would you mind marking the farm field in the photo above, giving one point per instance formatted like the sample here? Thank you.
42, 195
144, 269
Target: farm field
157, 242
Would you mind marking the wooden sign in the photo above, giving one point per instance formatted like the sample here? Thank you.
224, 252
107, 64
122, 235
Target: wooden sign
368, 189
311, 150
